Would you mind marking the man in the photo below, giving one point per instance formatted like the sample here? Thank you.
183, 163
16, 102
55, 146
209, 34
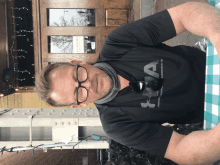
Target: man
138, 83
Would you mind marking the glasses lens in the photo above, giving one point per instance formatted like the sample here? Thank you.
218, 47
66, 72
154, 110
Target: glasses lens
82, 74
138, 86
82, 94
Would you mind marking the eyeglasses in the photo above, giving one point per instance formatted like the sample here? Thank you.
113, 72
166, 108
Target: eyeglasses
82, 92
139, 86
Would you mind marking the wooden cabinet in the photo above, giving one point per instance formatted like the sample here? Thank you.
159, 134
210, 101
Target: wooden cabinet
108, 16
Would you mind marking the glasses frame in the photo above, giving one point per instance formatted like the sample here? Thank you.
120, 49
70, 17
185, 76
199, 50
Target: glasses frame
80, 82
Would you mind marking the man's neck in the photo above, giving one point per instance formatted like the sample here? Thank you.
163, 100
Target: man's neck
124, 83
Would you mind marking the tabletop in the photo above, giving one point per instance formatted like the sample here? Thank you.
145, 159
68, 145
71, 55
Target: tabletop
212, 83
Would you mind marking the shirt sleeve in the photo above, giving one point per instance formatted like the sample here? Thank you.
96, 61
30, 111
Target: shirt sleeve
150, 30
149, 137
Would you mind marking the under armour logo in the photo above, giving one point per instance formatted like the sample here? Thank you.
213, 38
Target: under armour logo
150, 81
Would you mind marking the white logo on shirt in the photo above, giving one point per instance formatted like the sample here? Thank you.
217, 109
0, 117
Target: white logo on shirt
148, 91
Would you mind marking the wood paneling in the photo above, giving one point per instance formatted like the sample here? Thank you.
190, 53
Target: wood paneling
26, 100
11, 100
4, 101
136, 12
3, 44
51, 157
123, 9
36, 35
116, 17
17, 97
69, 4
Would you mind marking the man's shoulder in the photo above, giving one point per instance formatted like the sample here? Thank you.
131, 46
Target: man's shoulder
107, 114
101, 107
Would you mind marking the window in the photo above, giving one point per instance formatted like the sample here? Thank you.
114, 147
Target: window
71, 17
71, 44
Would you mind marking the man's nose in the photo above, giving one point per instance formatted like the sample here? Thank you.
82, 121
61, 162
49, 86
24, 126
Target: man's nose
86, 84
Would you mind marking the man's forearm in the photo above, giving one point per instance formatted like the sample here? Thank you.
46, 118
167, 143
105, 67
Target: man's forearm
200, 147
202, 19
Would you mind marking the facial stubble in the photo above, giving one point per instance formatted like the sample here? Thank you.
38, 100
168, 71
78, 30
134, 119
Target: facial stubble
108, 90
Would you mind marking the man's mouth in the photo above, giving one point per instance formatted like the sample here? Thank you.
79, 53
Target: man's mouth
97, 84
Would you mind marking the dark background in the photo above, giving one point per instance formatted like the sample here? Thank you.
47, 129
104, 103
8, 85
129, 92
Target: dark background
25, 42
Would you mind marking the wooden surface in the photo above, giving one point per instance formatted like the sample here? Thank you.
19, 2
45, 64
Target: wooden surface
27, 100
99, 31
51, 157
3, 44
116, 17
36, 35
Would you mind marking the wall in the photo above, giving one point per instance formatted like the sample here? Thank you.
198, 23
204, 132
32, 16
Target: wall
27, 100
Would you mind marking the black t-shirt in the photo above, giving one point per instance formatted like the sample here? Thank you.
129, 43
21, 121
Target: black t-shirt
136, 52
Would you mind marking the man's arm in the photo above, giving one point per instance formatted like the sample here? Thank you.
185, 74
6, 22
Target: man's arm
199, 18
196, 148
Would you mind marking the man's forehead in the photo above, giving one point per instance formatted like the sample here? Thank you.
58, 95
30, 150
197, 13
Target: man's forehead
54, 96
62, 70
59, 99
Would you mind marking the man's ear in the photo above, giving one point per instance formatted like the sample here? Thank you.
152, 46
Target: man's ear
74, 62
